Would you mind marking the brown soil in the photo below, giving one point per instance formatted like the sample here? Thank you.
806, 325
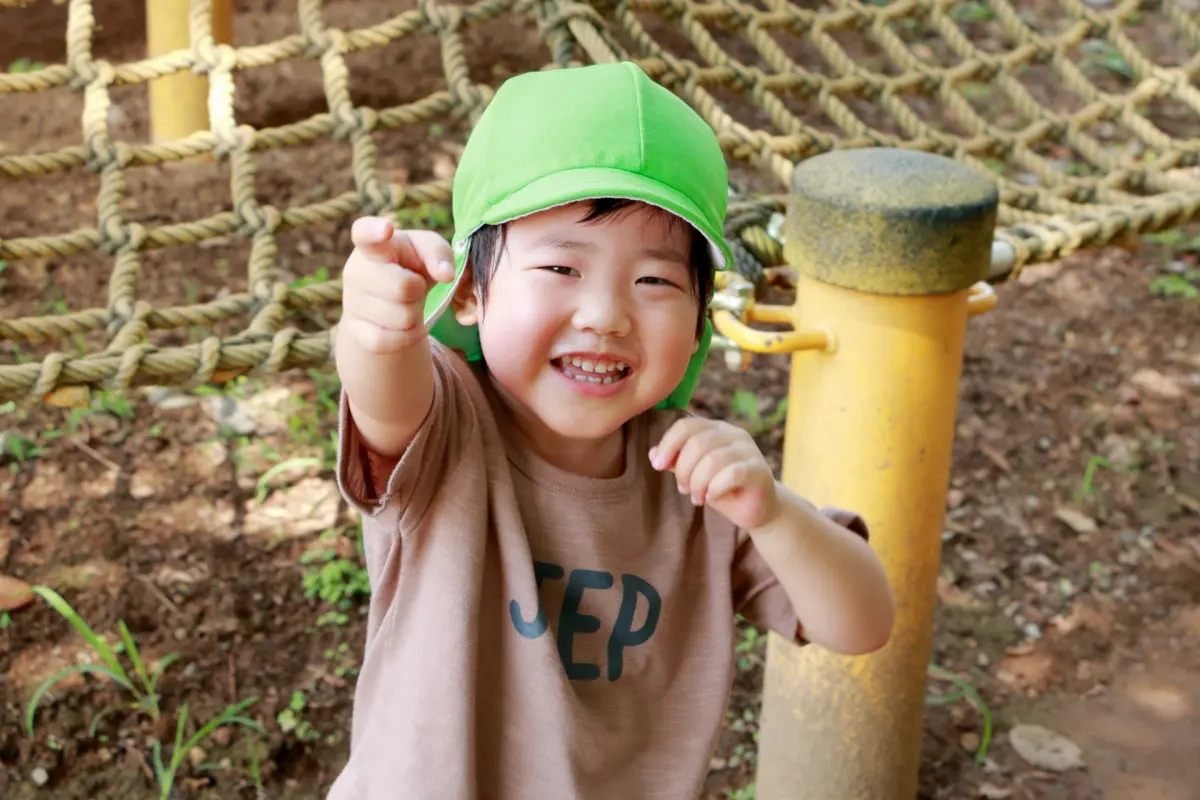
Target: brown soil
1076, 610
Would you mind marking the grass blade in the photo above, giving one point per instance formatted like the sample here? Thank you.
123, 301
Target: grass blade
973, 697
264, 481
95, 669
99, 645
228, 716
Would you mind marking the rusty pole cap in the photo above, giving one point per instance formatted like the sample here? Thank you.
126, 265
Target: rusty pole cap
890, 221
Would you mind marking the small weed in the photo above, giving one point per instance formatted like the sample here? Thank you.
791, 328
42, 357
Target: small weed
345, 663
1176, 240
5, 620
320, 275
1184, 285
20, 65
744, 793
332, 618
1087, 485
972, 11
264, 480
745, 405
967, 691
426, 216
337, 581
292, 719
747, 648
142, 684
1100, 54
165, 774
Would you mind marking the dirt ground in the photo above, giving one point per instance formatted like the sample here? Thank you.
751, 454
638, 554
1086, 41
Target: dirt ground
209, 523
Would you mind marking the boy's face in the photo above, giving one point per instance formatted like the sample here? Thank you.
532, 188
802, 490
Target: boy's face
587, 325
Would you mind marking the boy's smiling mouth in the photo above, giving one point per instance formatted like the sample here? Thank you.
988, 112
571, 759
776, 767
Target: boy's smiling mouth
589, 369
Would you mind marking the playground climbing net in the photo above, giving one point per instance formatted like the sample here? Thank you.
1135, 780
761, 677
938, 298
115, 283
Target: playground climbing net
922, 77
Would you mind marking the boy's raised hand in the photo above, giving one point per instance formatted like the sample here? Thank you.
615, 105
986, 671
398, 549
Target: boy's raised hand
385, 281
720, 465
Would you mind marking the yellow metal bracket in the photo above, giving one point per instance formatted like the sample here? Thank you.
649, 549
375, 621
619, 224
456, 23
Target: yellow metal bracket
981, 299
733, 306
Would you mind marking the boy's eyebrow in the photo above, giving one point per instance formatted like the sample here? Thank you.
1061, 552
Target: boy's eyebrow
669, 254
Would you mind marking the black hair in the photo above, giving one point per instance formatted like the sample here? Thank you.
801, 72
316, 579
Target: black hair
487, 244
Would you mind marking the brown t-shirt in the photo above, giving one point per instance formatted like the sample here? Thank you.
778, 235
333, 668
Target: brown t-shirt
533, 633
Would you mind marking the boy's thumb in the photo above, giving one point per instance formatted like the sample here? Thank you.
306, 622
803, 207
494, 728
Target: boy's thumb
443, 272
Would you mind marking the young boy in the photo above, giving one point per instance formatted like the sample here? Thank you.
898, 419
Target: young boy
556, 549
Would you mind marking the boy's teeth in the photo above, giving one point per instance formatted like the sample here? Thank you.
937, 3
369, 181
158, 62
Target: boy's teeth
591, 372
589, 366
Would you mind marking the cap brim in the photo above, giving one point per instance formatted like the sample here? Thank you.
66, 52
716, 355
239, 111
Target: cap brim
560, 189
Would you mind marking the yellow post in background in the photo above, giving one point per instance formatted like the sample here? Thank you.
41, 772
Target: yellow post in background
887, 243
179, 102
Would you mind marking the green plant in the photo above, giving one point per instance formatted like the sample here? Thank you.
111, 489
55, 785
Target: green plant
1087, 485
747, 647
165, 773
142, 684
746, 792
1177, 285
972, 11
292, 719
745, 405
24, 65
336, 581
264, 480
967, 691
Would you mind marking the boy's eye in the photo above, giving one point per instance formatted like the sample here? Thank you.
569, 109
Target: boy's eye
560, 270
655, 281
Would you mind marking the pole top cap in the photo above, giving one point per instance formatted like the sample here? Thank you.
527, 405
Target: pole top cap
891, 221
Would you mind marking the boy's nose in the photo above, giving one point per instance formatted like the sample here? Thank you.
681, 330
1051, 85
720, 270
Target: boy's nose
602, 313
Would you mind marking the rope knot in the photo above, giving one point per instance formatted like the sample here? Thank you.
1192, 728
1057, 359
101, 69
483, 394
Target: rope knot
348, 121
84, 70
213, 57
442, 18
254, 217
118, 236
232, 140
564, 13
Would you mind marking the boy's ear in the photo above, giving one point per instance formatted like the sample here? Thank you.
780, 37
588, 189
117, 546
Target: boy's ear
465, 303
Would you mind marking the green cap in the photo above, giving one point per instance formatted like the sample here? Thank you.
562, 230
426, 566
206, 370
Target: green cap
560, 136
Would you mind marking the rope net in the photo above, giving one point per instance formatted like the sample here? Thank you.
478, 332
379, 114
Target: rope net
1111, 155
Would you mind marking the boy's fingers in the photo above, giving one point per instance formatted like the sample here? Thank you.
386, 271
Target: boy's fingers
700, 479
699, 446
372, 236
431, 254
726, 481
664, 453
388, 314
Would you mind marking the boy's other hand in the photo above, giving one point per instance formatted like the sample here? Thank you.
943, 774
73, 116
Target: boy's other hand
719, 464
385, 281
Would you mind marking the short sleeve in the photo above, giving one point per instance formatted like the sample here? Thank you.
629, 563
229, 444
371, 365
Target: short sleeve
757, 593
402, 489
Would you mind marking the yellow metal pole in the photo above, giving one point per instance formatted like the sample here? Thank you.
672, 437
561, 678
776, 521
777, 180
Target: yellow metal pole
888, 244
179, 102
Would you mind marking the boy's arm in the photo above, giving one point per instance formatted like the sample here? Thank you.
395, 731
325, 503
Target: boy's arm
833, 580
832, 577
381, 350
